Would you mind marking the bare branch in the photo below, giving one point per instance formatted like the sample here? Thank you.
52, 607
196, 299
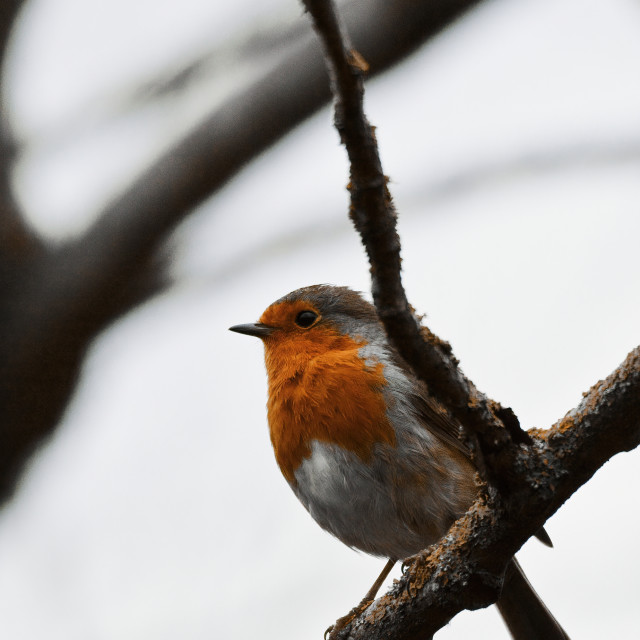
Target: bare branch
254, 50
465, 569
374, 217
531, 474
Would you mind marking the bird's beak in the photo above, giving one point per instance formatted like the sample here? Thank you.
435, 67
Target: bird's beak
253, 329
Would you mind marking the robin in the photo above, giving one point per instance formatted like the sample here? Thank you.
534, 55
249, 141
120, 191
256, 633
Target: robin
371, 455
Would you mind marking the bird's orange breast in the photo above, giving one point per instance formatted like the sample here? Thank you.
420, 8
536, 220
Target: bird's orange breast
321, 389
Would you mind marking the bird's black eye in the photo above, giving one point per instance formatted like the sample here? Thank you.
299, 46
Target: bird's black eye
306, 318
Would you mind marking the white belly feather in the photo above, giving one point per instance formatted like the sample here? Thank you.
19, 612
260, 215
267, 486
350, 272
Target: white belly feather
386, 510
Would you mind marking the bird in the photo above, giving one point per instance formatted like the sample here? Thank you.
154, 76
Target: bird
372, 456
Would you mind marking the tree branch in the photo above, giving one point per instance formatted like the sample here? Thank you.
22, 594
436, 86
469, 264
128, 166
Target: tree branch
9, 10
464, 571
374, 216
531, 475
18, 244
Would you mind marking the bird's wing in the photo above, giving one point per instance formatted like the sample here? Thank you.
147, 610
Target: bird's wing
437, 420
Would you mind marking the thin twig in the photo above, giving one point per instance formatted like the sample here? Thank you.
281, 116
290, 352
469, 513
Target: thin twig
374, 216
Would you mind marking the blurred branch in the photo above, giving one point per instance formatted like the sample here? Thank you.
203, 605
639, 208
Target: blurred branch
236, 61
563, 157
18, 244
68, 294
482, 175
530, 474
256, 44
9, 10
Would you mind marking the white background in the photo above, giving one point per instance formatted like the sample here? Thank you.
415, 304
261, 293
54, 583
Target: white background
157, 511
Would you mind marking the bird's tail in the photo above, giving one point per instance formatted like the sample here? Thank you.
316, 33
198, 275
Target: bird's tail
525, 615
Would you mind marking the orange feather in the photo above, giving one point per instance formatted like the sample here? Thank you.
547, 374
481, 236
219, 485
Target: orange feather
320, 389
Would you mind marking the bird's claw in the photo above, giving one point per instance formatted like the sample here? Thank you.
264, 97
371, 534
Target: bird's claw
411, 561
332, 632
407, 563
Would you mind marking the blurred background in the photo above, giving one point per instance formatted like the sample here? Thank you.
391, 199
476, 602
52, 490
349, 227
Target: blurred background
513, 144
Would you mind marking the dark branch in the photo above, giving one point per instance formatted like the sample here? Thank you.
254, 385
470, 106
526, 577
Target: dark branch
465, 569
18, 244
9, 10
531, 474
374, 216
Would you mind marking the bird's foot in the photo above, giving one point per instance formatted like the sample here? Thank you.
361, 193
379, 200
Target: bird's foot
333, 631
411, 561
